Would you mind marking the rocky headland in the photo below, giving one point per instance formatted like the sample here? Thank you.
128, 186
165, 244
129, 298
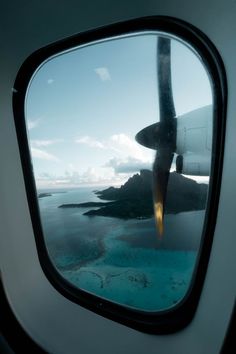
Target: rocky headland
134, 199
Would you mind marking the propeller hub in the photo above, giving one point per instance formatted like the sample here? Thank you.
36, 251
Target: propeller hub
159, 135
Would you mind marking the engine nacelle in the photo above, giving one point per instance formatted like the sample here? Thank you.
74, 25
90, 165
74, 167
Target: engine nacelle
194, 132
193, 164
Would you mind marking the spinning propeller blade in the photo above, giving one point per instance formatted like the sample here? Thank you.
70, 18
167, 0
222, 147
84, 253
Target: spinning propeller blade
162, 136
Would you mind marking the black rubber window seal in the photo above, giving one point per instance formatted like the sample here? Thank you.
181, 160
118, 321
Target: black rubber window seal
178, 317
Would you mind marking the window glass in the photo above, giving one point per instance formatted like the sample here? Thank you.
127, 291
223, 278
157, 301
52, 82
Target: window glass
120, 134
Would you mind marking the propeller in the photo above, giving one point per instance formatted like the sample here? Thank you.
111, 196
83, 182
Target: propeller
161, 136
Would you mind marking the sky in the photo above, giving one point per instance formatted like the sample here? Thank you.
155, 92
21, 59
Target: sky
85, 106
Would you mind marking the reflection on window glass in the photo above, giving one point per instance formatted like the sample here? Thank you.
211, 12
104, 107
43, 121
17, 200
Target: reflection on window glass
120, 134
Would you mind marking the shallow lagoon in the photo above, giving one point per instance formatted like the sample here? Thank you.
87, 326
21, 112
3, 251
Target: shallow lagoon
122, 260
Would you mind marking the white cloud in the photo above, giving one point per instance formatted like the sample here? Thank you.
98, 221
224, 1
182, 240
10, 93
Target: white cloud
31, 124
48, 180
89, 141
91, 176
103, 74
123, 144
44, 176
50, 81
128, 155
128, 165
125, 157
43, 155
40, 143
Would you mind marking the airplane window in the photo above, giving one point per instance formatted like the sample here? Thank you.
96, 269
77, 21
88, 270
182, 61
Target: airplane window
120, 134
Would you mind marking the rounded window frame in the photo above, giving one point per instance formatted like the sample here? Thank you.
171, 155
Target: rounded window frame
179, 316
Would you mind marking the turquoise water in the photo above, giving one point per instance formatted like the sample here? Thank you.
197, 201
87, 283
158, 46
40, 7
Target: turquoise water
121, 260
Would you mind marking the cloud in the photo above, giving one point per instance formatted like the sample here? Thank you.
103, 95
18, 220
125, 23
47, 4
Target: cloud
43, 155
50, 81
124, 158
91, 176
47, 179
103, 73
128, 155
44, 175
40, 143
89, 141
128, 165
31, 124
122, 143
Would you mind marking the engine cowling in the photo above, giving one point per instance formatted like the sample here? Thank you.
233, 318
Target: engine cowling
194, 132
193, 164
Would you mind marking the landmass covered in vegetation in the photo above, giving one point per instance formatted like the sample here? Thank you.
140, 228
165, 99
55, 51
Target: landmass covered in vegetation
134, 199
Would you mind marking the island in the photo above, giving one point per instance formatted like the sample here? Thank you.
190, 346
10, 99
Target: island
51, 193
43, 195
84, 205
134, 199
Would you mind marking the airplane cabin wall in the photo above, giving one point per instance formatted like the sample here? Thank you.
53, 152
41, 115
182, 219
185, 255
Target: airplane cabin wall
56, 323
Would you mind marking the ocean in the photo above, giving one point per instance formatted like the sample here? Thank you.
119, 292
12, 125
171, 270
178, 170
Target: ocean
123, 261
